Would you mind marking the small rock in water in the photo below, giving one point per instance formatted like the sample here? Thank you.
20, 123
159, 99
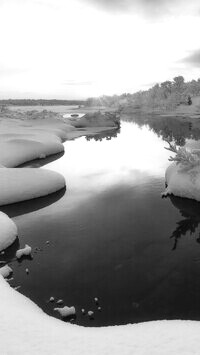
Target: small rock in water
99, 309
90, 314
2, 253
27, 270
66, 311
96, 300
51, 299
60, 302
83, 310
23, 252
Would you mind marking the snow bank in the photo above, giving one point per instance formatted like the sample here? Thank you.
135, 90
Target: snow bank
8, 231
183, 182
25, 184
25, 329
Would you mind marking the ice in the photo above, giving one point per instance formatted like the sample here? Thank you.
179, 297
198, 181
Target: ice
24, 252
8, 231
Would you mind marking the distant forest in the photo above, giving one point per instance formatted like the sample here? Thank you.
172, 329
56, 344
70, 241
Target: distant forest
167, 95
40, 102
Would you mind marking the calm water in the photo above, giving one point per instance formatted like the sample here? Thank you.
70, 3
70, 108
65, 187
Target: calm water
111, 235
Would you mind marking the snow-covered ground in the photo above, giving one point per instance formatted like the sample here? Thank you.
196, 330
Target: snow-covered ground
25, 329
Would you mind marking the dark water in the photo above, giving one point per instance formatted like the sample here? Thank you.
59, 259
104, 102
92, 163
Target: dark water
111, 235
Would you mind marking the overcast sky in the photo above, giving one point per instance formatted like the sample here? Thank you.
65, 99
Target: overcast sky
79, 48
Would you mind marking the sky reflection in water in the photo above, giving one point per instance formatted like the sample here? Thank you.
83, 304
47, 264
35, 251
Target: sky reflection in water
112, 236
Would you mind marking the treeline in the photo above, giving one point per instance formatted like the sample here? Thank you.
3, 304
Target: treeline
166, 95
40, 102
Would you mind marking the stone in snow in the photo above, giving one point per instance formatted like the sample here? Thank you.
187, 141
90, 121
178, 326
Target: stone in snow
5, 271
24, 252
66, 311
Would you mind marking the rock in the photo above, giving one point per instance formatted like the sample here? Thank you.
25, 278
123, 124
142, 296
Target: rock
66, 311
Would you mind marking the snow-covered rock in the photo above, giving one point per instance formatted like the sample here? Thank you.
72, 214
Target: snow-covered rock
5, 271
25, 184
66, 311
24, 251
8, 231
183, 182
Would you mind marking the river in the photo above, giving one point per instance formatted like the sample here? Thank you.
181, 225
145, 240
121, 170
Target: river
110, 235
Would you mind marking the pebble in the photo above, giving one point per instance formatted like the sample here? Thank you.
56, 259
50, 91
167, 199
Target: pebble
90, 314
60, 302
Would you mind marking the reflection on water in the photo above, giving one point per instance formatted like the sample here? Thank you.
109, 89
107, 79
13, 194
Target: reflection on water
190, 210
37, 163
108, 135
109, 235
21, 208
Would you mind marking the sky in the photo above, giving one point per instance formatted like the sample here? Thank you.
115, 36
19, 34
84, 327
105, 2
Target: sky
74, 49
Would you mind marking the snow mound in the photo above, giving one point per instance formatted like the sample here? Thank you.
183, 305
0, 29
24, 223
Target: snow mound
183, 182
8, 231
25, 184
23, 252
5, 271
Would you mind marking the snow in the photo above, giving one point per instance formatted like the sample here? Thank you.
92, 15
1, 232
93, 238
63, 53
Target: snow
23, 252
182, 182
25, 184
26, 329
8, 231
5, 271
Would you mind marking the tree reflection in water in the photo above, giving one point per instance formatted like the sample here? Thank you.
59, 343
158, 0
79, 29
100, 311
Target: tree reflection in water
190, 210
108, 135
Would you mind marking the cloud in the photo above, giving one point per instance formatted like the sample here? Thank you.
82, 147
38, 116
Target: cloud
78, 83
148, 7
193, 59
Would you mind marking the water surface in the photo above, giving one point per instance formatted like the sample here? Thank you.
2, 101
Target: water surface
111, 235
